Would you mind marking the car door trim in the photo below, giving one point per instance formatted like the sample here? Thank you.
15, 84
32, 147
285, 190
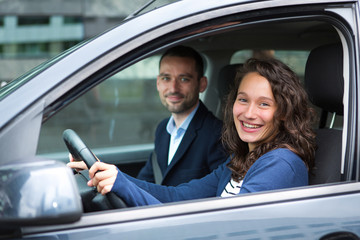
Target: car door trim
203, 205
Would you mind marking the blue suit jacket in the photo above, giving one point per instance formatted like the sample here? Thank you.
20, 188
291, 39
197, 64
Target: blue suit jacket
276, 169
199, 153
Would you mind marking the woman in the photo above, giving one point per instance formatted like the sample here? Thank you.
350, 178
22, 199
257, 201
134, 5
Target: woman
267, 130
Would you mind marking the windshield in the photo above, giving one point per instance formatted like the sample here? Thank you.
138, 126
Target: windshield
6, 89
22, 58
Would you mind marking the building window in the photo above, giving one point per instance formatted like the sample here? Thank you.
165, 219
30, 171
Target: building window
33, 49
33, 20
72, 20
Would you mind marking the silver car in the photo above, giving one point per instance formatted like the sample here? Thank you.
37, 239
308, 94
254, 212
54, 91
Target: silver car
104, 88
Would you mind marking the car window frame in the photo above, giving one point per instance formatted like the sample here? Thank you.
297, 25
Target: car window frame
184, 34
193, 31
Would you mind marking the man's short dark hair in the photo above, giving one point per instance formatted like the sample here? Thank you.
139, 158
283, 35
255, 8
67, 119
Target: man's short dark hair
188, 52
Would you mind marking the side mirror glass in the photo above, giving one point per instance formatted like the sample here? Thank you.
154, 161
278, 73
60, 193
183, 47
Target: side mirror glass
38, 192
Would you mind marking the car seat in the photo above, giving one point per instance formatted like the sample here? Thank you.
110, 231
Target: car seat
325, 85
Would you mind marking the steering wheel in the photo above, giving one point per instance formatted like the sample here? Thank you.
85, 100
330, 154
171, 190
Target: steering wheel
92, 200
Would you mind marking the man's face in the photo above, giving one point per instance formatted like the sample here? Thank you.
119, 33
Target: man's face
178, 84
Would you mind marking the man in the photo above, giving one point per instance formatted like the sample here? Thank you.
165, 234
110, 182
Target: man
187, 145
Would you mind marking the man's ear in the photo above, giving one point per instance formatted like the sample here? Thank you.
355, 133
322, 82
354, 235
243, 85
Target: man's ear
203, 84
157, 83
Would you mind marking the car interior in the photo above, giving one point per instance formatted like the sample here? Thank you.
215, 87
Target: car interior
120, 115
325, 87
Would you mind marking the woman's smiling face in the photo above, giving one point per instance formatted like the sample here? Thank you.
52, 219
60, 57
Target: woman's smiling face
254, 109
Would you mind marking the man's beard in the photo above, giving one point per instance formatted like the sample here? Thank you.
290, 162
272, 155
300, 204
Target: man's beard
182, 107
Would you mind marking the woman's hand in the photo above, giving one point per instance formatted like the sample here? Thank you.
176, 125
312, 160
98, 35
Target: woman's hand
77, 165
102, 176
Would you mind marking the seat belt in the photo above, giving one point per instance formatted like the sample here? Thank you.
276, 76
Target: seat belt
156, 168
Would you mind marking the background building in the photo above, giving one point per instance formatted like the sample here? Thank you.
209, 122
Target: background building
32, 31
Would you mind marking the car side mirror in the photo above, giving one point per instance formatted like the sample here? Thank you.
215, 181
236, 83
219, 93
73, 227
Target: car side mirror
38, 192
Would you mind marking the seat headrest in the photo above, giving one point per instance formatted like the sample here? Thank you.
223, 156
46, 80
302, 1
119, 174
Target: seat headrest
324, 80
225, 81
226, 78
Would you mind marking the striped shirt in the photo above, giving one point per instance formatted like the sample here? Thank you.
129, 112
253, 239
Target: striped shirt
232, 188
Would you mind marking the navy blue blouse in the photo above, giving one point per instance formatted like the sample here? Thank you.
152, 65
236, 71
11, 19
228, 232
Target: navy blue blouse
277, 169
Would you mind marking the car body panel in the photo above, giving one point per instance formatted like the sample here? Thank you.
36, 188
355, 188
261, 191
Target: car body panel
259, 216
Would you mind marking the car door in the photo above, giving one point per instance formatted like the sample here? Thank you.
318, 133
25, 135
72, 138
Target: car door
319, 211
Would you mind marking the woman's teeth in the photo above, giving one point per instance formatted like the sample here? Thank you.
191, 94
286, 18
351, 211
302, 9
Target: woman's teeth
247, 125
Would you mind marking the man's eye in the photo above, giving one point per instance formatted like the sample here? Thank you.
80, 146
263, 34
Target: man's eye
183, 79
164, 78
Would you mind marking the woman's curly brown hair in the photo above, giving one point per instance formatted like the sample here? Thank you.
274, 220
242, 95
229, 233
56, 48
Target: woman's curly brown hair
293, 118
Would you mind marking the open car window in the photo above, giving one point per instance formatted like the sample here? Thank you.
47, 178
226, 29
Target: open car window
118, 117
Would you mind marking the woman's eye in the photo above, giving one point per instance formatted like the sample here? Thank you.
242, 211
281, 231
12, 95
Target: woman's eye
242, 100
264, 104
